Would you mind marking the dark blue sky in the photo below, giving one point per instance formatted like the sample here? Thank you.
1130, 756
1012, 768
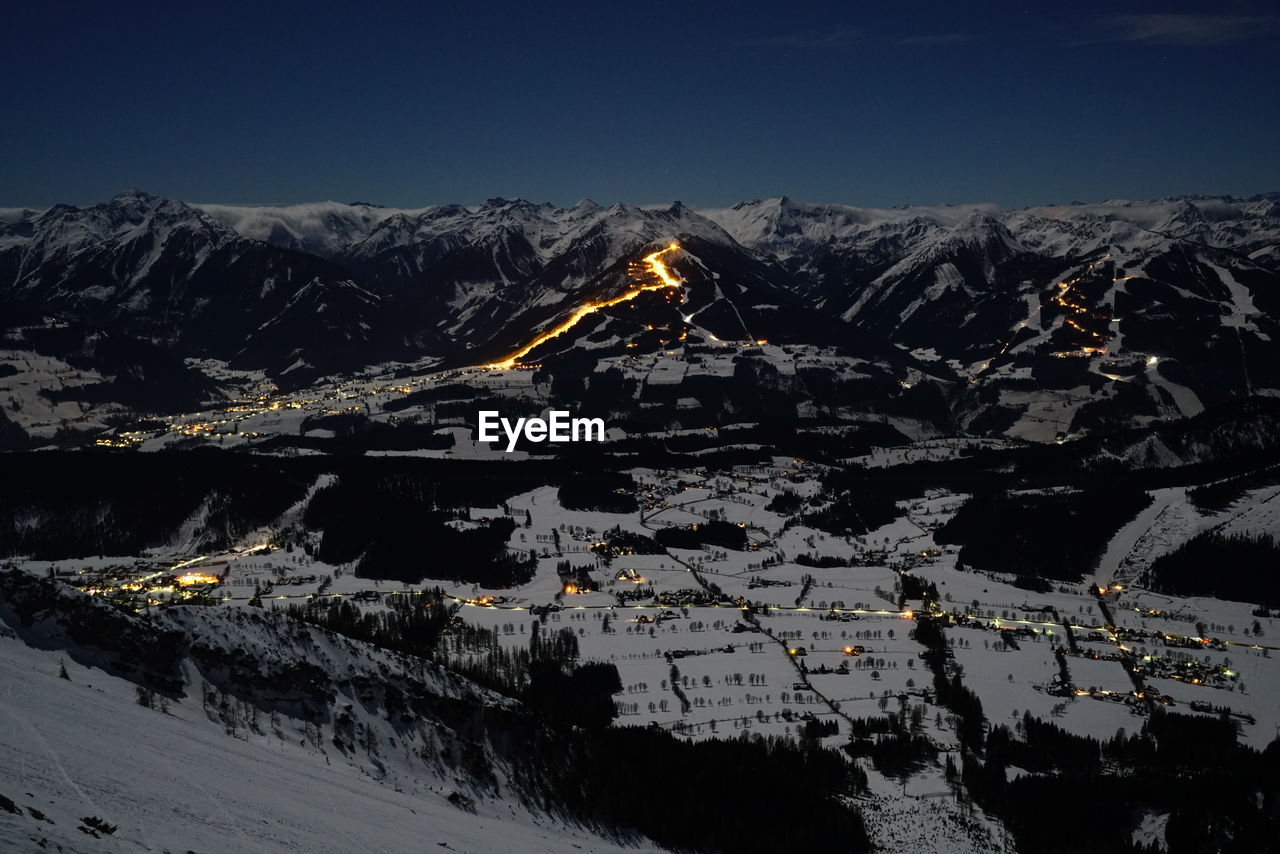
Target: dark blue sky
862, 102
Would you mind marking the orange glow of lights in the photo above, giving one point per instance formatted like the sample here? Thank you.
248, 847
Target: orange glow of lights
197, 578
666, 279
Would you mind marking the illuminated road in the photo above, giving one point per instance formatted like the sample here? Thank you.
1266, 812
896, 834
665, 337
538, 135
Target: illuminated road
666, 279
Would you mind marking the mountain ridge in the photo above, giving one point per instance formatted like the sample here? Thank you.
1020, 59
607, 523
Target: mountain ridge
1114, 313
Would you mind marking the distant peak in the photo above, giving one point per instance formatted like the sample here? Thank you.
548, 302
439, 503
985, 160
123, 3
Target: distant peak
500, 202
443, 211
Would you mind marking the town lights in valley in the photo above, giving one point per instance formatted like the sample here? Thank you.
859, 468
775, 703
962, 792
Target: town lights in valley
192, 578
666, 279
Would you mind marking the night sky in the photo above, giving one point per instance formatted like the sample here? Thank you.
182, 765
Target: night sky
417, 103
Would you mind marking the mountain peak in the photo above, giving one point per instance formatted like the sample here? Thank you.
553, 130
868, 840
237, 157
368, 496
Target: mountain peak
499, 202
133, 194
134, 202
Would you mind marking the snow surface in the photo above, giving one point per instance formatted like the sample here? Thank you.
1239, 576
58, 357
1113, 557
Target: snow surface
176, 781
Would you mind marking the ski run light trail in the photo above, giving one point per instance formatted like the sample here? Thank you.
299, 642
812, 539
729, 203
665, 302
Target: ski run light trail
666, 279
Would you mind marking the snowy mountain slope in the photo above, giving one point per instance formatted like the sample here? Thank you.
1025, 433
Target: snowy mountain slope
160, 269
320, 228
1064, 319
258, 734
175, 781
495, 271
362, 231
785, 228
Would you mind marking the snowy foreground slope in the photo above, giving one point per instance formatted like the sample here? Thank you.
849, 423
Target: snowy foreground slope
178, 780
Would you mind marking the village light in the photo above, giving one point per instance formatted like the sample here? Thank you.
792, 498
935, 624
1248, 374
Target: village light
192, 578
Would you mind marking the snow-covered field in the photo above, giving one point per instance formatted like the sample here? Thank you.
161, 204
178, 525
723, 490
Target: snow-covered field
767, 671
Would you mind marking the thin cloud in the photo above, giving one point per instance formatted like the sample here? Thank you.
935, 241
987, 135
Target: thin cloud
1186, 30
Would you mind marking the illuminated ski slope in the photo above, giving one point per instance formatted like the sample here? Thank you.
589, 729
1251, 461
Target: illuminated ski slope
666, 279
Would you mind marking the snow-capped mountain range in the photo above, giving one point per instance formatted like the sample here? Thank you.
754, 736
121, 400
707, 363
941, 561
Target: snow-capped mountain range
1162, 307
